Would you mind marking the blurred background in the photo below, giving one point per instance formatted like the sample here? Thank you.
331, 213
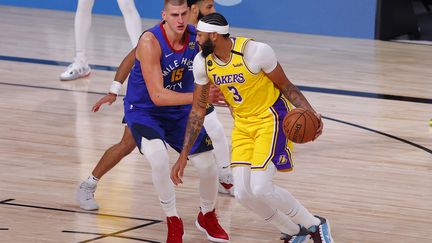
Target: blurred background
409, 20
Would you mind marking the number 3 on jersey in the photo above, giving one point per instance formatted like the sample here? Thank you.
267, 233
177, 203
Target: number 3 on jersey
177, 74
236, 95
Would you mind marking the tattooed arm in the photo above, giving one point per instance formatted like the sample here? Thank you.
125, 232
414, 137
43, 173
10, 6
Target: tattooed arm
193, 128
292, 93
288, 89
196, 117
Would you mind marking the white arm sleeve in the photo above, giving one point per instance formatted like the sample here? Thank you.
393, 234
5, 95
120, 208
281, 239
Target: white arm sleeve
199, 70
260, 56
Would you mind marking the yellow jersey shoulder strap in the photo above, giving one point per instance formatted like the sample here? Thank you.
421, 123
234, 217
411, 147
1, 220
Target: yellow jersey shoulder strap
239, 45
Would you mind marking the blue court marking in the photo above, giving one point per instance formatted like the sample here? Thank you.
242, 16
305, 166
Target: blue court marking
303, 88
53, 63
365, 94
52, 88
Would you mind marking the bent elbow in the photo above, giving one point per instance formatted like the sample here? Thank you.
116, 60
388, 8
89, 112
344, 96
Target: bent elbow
158, 100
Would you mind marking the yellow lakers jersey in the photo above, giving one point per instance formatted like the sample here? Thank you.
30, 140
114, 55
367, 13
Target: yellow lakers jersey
248, 93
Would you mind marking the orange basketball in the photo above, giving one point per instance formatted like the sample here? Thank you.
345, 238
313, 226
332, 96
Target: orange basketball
300, 125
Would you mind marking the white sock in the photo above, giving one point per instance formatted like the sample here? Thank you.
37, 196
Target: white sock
157, 154
207, 206
132, 19
207, 172
82, 24
216, 132
283, 223
293, 208
92, 180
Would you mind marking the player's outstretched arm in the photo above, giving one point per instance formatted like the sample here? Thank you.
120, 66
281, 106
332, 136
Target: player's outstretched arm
149, 54
119, 78
193, 128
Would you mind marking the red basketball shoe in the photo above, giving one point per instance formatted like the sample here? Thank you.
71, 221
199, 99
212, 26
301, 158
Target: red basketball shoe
175, 230
209, 224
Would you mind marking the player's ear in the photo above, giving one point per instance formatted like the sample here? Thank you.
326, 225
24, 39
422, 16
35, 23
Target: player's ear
213, 36
163, 13
194, 9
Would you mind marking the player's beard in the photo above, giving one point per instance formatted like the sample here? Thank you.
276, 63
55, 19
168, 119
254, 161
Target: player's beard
207, 48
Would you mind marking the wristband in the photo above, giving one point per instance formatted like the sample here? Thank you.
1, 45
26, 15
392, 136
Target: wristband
115, 87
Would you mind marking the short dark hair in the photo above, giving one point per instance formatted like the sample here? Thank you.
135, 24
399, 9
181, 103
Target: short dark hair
216, 19
192, 2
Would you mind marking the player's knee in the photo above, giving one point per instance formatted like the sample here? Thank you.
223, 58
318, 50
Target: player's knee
159, 162
127, 146
204, 163
242, 194
242, 190
156, 153
261, 190
212, 125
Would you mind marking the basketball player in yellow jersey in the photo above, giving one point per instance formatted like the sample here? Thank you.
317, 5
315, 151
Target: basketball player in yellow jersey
256, 87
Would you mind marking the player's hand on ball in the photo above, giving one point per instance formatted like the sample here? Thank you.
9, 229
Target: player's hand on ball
320, 127
177, 170
301, 125
109, 98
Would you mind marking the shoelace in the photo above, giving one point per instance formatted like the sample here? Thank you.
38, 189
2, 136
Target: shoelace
89, 192
73, 68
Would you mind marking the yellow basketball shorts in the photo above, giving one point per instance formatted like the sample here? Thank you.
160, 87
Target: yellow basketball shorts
259, 140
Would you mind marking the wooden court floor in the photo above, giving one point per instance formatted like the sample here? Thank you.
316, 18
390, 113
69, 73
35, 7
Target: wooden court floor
370, 173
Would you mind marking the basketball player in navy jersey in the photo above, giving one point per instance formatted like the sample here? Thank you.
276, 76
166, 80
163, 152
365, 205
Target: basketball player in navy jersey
157, 105
86, 189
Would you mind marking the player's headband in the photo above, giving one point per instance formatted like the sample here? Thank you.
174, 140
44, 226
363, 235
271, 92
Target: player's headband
210, 28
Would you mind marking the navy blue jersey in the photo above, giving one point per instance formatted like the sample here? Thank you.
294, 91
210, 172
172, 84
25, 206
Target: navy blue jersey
176, 70
167, 123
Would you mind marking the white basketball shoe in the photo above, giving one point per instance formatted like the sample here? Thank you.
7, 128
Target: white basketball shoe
85, 196
75, 71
